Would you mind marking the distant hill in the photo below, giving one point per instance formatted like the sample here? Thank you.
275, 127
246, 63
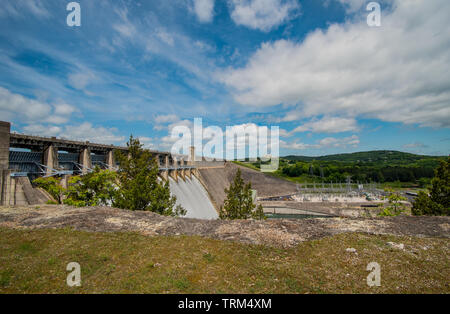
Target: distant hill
380, 156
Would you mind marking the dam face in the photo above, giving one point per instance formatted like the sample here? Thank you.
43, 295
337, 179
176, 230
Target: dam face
193, 197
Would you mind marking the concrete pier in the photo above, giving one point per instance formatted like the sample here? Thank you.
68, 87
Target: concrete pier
50, 159
5, 174
110, 161
85, 160
4, 144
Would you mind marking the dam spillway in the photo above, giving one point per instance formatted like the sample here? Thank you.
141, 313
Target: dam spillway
194, 198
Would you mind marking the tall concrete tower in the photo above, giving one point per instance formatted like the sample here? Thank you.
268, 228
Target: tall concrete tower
5, 128
192, 156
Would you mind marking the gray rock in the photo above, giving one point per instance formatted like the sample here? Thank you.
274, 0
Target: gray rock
398, 246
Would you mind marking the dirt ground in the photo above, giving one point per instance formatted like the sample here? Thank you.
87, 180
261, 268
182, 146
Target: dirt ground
277, 232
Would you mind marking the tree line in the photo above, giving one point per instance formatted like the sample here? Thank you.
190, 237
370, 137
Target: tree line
340, 172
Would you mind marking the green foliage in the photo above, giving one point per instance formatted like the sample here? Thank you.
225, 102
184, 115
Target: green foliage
424, 182
239, 202
395, 206
385, 212
140, 188
379, 157
374, 166
259, 213
52, 186
97, 188
438, 202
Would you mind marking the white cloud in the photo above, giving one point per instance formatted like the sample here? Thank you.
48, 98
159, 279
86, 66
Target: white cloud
81, 79
328, 125
148, 142
397, 72
339, 142
186, 123
294, 145
125, 28
16, 8
165, 37
166, 143
328, 142
160, 119
415, 145
42, 130
291, 116
20, 107
169, 121
64, 109
83, 132
284, 133
203, 9
262, 14
55, 119
17, 107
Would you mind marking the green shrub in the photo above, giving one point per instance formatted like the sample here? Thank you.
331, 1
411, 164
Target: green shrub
52, 186
395, 206
96, 188
437, 203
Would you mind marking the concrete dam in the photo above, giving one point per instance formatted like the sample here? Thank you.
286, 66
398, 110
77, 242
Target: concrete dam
198, 185
25, 157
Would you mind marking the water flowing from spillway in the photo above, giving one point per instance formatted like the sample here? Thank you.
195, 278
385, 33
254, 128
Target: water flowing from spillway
194, 198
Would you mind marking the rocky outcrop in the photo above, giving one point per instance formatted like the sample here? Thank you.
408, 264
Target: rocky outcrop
276, 232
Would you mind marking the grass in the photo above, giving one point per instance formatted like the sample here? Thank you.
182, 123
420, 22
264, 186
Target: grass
35, 262
246, 164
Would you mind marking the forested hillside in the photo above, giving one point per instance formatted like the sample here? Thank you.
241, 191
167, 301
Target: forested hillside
373, 166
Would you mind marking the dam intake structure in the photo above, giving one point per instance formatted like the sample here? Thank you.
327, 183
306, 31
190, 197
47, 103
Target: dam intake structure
24, 158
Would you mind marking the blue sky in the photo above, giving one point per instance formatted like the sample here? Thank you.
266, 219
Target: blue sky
314, 68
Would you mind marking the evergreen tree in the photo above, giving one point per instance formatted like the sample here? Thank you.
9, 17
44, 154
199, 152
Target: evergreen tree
140, 188
438, 202
395, 206
239, 202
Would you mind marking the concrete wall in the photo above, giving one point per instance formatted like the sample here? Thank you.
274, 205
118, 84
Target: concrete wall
5, 128
18, 191
5, 184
